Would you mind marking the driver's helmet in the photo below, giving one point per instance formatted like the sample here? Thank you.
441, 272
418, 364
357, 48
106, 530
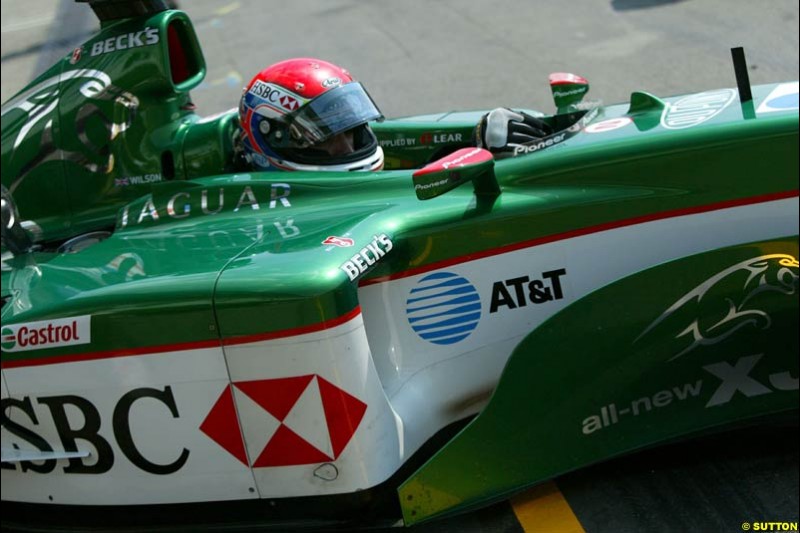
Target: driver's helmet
308, 114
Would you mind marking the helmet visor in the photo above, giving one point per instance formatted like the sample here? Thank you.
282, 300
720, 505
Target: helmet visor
333, 112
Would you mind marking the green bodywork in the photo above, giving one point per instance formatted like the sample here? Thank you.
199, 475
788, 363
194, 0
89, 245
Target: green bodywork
566, 401
200, 253
235, 255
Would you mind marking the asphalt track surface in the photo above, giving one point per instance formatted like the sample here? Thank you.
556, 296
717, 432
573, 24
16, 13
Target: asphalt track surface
419, 57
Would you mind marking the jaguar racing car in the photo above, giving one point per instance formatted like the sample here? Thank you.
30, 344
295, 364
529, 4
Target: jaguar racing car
185, 343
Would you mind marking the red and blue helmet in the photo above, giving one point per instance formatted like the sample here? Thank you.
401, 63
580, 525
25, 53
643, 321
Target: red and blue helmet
308, 114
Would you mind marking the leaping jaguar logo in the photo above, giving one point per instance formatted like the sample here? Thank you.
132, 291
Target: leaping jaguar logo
39, 104
40, 100
777, 273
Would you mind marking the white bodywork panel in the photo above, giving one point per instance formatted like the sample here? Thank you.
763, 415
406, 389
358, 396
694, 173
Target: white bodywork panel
332, 411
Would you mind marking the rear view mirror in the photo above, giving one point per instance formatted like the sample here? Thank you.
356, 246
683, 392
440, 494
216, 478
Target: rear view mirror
445, 174
568, 89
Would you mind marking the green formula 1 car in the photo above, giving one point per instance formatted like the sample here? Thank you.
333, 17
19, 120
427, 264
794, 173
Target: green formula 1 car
181, 338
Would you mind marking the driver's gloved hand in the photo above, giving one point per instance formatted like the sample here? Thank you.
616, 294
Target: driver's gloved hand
502, 130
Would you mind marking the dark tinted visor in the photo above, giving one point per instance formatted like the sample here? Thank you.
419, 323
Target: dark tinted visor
333, 112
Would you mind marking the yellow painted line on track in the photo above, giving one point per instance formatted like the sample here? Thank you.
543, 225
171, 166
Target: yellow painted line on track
544, 509
227, 9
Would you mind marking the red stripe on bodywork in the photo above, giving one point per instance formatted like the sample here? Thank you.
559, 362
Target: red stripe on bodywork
581, 232
110, 354
151, 350
327, 324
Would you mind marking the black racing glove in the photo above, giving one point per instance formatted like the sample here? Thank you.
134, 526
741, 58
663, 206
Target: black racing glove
502, 130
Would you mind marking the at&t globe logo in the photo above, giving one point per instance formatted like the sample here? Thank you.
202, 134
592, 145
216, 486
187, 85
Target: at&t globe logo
444, 308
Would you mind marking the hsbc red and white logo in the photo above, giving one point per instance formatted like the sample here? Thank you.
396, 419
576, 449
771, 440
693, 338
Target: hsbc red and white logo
276, 96
289, 103
285, 421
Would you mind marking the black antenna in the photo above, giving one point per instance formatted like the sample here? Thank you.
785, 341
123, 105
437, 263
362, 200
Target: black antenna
742, 78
